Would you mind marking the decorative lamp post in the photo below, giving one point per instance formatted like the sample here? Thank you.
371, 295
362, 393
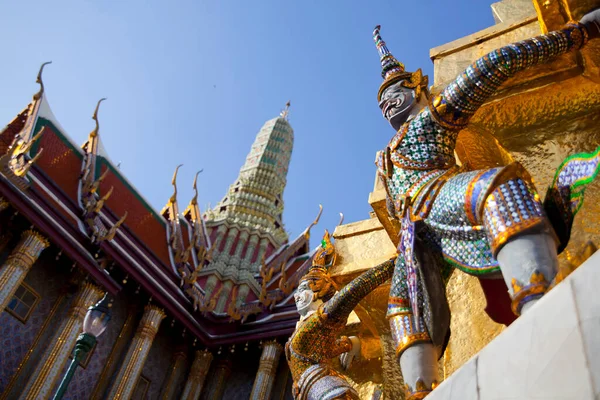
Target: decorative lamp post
94, 324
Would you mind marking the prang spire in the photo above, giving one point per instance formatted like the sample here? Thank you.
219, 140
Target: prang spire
286, 111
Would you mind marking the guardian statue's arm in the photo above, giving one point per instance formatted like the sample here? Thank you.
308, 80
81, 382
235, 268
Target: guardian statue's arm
339, 307
462, 98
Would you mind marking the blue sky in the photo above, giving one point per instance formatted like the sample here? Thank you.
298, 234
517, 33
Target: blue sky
192, 82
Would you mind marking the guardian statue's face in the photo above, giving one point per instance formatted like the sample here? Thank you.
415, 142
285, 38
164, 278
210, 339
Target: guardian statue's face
396, 104
303, 297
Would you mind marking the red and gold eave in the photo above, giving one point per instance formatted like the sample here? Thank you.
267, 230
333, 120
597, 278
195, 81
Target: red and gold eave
140, 246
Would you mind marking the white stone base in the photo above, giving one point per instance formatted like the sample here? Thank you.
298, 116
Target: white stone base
552, 352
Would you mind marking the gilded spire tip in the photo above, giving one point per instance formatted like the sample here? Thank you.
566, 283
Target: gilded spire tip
286, 111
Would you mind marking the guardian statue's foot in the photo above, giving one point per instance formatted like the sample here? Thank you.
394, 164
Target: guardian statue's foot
419, 369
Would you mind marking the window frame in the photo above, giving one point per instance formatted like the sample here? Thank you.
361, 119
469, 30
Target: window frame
37, 296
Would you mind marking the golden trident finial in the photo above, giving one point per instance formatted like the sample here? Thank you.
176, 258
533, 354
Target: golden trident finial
38, 95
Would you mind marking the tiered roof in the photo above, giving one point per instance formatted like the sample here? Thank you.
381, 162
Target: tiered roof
82, 202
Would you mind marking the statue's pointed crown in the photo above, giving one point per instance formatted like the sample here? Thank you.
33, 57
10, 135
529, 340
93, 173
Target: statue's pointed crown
393, 70
390, 66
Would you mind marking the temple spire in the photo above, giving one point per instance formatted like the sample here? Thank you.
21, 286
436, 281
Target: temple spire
286, 111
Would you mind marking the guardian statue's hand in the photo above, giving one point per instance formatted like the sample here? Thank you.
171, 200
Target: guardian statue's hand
592, 22
347, 358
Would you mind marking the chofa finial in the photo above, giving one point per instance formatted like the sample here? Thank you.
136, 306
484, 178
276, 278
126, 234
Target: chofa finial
315, 222
174, 183
341, 219
38, 95
195, 187
95, 118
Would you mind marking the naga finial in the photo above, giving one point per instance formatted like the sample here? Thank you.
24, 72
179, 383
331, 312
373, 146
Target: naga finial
195, 187
39, 80
174, 183
341, 219
113, 230
95, 118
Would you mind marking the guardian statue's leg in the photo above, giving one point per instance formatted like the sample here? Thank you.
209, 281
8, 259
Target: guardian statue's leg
414, 348
521, 239
528, 263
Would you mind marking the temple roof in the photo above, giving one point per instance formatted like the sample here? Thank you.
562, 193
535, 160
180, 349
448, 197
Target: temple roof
102, 216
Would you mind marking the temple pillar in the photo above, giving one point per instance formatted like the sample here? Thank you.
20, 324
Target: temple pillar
132, 365
216, 385
225, 292
175, 372
19, 263
267, 370
197, 376
48, 371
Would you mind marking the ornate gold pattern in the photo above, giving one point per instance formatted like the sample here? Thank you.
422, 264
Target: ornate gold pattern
16, 163
410, 340
538, 285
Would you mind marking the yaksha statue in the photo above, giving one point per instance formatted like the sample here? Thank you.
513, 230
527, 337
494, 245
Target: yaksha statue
488, 223
323, 316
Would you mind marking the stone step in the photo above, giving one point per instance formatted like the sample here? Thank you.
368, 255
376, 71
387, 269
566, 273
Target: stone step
551, 352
